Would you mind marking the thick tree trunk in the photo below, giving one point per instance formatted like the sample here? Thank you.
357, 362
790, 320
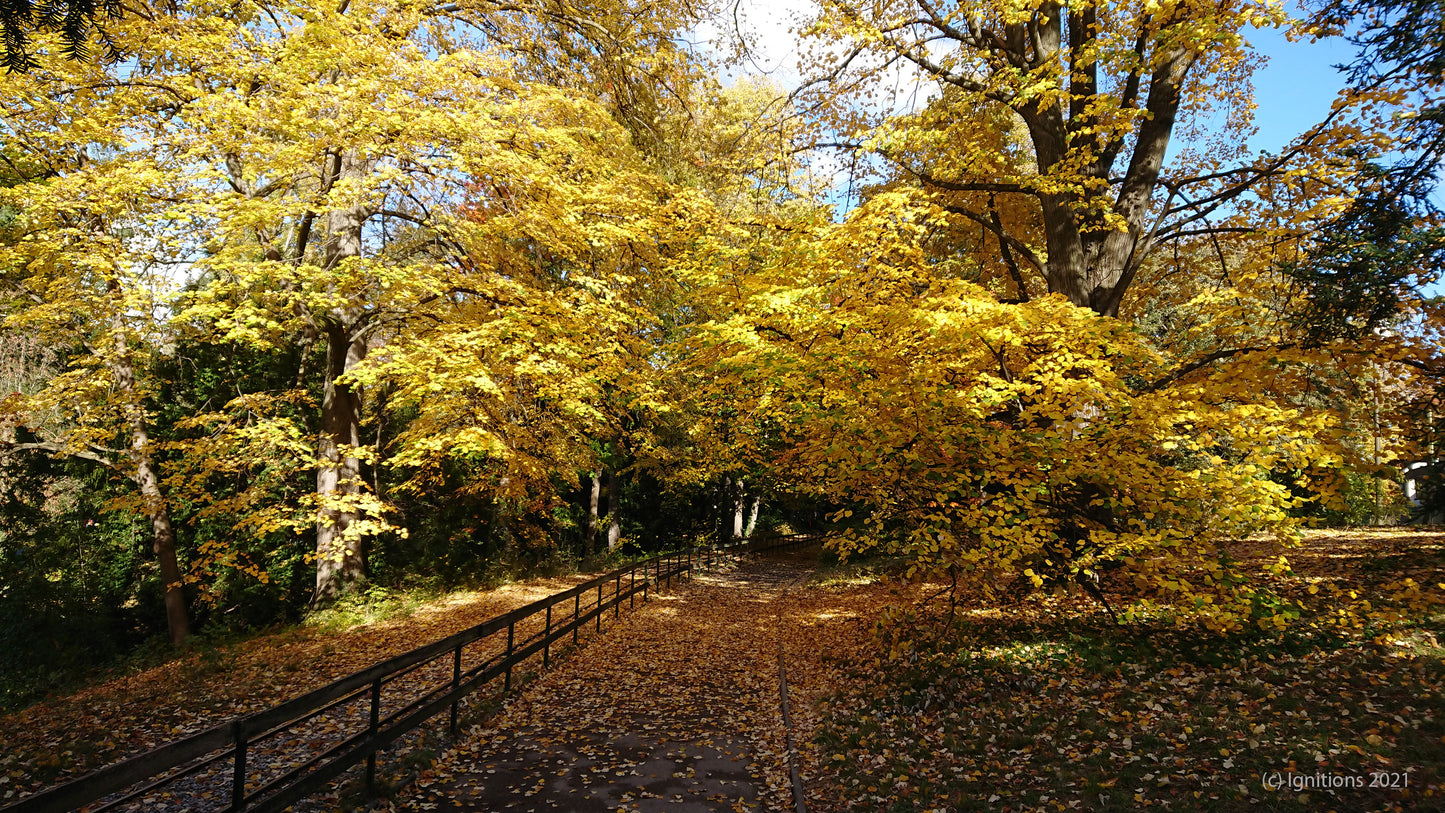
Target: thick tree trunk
339, 563
752, 518
143, 473
614, 511
592, 515
1090, 262
739, 504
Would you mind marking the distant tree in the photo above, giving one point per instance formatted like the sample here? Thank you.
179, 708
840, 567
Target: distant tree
1365, 264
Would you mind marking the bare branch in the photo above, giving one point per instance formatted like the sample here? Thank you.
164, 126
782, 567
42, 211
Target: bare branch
56, 449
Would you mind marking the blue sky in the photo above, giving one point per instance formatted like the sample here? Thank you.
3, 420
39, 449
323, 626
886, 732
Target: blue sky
1295, 89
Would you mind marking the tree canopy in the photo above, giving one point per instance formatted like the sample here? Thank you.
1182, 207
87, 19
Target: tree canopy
344, 291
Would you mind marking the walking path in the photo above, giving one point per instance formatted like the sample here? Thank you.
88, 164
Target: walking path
675, 709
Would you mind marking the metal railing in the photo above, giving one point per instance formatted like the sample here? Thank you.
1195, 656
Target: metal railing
330, 730
345, 723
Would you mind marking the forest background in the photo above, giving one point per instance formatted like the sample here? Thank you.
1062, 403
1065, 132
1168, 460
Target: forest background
304, 303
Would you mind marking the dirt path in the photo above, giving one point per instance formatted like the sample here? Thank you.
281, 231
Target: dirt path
674, 709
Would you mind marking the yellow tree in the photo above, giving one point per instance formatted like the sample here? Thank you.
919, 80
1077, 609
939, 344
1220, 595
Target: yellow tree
1011, 444
739, 155
307, 166
1066, 115
80, 294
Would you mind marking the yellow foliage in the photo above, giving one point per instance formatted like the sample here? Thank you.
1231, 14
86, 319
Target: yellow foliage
993, 440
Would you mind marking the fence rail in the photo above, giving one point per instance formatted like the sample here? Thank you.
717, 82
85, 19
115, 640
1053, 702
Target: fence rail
424, 682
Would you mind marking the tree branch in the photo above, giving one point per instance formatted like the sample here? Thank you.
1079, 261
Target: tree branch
56, 449
1013, 243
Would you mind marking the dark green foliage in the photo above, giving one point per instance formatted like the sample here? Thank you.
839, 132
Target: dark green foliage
1430, 493
658, 518
1429, 478
1386, 246
72, 19
453, 536
1364, 265
78, 585
1400, 46
200, 378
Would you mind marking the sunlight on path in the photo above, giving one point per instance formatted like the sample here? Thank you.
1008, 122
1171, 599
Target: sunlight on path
673, 709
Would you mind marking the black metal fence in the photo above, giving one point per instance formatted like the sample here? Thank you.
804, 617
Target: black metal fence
309, 741
328, 731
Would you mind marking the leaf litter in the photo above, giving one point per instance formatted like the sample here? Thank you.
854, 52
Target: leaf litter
64, 737
1042, 705
677, 708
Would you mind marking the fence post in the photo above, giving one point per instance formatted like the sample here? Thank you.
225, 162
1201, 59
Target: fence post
456, 681
632, 589
599, 606
616, 593
576, 613
547, 640
507, 681
238, 777
371, 729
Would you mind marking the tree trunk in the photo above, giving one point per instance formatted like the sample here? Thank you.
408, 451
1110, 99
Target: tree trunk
164, 542
590, 545
739, 502
339, 563
1090, 264
614, 511
148, 481
752, 518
